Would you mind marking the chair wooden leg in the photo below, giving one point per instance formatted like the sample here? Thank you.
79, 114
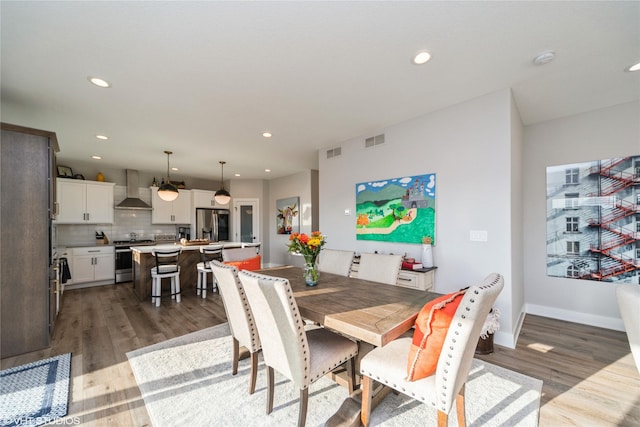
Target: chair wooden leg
254, 372
269, 389
365, 412
443, 419
236, 356
302, 415
351, 374
462, 422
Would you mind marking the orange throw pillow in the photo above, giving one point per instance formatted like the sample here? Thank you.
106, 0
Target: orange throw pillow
250, 264
432, 325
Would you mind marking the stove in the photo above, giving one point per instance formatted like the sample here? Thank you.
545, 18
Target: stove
124, 261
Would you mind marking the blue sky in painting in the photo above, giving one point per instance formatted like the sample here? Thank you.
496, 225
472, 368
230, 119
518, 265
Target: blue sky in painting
376, 186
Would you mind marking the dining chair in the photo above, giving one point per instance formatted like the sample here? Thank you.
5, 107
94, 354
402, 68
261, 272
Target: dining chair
244, 258
382, 268
167, 267
303, 356
336, 261
207, 254
239, 316
388, 364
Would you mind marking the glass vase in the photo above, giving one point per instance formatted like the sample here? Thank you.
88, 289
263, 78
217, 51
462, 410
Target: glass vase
311, 273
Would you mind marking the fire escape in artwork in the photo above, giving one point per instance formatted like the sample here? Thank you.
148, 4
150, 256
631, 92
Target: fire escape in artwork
614, 238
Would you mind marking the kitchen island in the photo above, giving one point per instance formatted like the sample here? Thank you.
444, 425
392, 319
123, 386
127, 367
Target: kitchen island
143, 261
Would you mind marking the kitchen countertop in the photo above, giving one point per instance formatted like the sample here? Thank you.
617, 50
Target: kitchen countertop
86, 245
147, 249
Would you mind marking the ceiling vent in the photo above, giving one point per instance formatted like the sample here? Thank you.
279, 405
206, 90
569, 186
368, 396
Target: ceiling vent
334, 152
374, 141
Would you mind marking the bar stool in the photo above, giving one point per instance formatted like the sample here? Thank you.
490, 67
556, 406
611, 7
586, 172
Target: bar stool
207, 254
166, 268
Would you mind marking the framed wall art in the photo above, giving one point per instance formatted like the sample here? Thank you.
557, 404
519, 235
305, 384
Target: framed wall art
593, 220
288, 220
397, 209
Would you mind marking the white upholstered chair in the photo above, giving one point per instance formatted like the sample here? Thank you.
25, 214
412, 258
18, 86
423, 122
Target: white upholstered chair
383, 268
167, 267
628, 296
207, 254
336, 261
300, 355
388, 364
239, 316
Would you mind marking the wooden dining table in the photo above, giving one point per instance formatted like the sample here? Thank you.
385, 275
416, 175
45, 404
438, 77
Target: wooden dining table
371, 312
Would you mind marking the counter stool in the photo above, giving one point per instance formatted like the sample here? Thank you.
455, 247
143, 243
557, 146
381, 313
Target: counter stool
207, 254
166, 268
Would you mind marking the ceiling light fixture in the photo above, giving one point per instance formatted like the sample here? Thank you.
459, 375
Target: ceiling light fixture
103, 137
421, 57
167, 191
544, 57
267, 134
99, 82
96, 157
634, 67
222, 196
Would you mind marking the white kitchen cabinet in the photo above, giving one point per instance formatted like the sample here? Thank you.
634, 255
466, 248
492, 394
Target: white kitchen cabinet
84, 202
204, 199
93, 264
175, 212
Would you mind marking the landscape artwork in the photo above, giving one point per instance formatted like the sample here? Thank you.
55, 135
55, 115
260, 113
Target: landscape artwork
397, 210
287, 217
593, 220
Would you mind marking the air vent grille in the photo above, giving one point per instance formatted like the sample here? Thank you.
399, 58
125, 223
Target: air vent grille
334, 152
374, 141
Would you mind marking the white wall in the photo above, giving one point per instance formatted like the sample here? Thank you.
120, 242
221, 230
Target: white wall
469, 147
600, 134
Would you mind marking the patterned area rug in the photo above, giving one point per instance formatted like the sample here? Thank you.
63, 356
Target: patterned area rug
36, 393
187, 381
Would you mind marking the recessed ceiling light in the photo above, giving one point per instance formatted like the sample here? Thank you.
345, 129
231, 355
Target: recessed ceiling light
544, 57
267, 170
96, 157
103, 137
634, 67
237, 174
267, 134
421, 57
175, 169
99, 82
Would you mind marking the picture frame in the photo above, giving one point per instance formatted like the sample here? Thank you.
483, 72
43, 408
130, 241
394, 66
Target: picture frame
65, 172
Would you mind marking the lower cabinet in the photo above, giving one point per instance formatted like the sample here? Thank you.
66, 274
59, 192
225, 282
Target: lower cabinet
416, 279
93, 265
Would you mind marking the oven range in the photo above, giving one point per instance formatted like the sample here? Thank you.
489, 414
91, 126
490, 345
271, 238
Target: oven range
124, 262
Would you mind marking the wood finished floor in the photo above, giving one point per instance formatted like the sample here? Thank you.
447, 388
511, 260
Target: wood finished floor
589, 375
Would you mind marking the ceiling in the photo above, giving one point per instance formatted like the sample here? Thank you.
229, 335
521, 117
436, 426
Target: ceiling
206, 79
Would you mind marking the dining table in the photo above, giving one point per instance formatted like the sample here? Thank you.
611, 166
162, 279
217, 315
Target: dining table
371, 313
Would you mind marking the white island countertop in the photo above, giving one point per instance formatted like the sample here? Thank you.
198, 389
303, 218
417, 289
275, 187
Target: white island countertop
147, 249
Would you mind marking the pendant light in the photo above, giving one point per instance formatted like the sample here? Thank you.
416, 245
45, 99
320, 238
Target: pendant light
222, 196
167, 191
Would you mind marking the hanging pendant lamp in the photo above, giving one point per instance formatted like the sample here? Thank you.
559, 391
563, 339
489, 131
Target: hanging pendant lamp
222, 196
167, 191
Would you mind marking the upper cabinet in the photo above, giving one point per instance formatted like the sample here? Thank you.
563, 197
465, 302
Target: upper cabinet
176, 212
204, 199
84, 202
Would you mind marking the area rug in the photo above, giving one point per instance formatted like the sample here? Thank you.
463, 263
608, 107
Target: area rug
187, 381
36, 393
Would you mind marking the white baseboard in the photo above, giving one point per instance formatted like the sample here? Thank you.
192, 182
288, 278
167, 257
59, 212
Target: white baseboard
576, 317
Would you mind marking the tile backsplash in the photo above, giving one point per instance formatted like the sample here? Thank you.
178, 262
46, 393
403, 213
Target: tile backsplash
125, 222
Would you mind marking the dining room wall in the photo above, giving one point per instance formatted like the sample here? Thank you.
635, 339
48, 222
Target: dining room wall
472, 148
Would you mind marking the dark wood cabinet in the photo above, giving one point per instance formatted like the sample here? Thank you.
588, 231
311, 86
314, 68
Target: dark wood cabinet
27, 198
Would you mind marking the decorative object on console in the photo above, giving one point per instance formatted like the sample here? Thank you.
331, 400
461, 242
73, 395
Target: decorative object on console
427, 252
222, 196
167, 191
64, 172
309, 247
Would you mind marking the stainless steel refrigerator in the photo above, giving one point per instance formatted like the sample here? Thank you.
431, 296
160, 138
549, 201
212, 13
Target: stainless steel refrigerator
212, 224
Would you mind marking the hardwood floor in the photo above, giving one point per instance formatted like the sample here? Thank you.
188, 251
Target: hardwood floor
589, 375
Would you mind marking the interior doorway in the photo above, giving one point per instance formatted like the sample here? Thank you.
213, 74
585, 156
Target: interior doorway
246, 220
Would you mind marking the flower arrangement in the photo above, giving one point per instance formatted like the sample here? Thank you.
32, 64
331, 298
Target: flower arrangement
427, 240
309, 247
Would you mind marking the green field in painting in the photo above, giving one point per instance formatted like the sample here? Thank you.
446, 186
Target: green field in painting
422, 225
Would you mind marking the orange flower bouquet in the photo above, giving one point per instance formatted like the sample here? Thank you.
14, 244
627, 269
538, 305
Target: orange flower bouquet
309, 247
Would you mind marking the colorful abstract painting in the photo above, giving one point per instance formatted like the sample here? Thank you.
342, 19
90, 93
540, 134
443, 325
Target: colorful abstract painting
397, 210
593, 220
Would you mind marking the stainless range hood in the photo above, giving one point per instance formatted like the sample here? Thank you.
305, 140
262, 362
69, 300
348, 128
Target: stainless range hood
133, 200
